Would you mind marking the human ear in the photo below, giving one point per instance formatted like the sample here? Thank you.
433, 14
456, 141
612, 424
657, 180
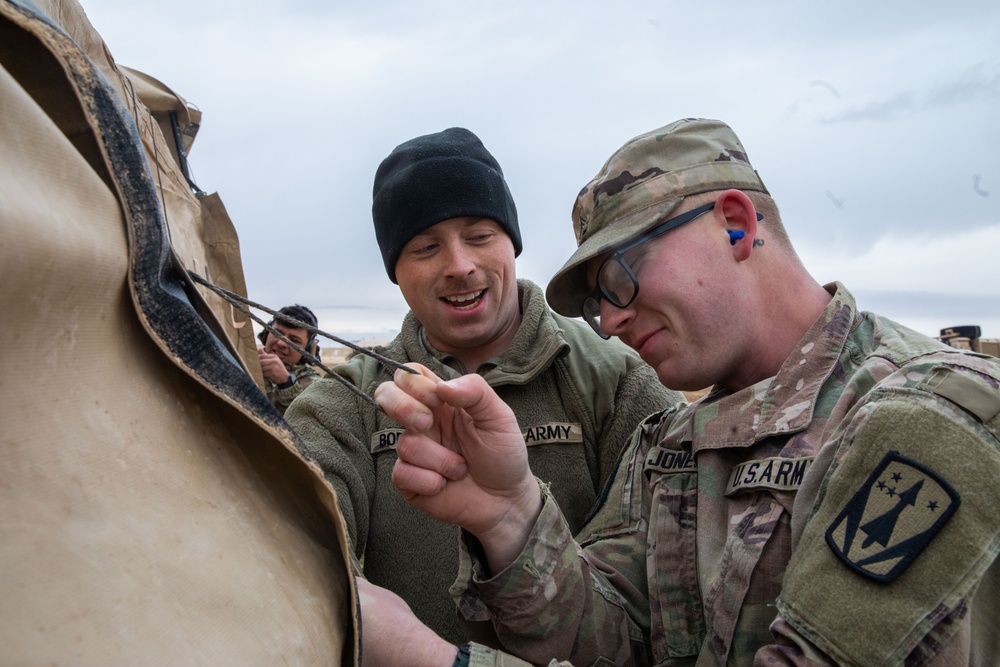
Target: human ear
740, 219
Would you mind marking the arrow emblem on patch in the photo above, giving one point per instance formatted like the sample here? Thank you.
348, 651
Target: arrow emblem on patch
892, 518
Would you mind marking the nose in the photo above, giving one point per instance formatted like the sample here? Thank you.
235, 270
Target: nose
459, 261
615, 320
275, 343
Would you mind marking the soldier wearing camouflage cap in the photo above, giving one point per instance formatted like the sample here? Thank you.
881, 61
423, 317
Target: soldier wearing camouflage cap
832, 500
448, 231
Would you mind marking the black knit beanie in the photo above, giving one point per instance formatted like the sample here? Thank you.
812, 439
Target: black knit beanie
435, 177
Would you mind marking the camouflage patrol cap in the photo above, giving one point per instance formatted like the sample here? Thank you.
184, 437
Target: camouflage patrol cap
639, 187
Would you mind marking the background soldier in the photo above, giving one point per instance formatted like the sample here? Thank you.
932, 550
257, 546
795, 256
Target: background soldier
286, 375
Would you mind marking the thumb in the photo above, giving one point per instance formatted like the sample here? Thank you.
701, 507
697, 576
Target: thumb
474, 395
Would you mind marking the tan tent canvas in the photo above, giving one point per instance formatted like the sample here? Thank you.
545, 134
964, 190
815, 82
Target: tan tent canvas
154, 507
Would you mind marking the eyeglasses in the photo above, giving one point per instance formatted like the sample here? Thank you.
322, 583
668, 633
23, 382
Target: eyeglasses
616, 281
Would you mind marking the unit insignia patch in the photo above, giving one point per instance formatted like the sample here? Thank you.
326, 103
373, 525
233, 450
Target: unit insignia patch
892, 518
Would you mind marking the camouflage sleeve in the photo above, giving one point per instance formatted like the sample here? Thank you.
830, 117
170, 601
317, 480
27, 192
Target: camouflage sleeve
282, 398
560, 601
897, 565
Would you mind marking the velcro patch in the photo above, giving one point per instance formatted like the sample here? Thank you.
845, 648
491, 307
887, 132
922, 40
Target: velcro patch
383, 441
892, 517
963, 391
778, 473
556, 432
667, 461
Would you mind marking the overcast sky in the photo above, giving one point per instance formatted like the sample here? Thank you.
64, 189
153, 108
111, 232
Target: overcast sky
874, 125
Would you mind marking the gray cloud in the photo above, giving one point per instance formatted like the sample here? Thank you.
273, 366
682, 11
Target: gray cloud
975, 86
888, 112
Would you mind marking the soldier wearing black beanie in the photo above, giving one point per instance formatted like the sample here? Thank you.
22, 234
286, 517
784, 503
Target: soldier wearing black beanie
445, 219
434, 177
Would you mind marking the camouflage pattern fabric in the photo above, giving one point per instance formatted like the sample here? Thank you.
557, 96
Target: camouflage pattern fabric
640, 186
282, 398
842, 512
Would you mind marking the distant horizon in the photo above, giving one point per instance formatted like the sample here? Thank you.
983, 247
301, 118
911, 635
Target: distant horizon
371, 324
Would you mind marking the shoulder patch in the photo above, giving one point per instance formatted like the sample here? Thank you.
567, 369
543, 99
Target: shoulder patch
872, 604
892, 517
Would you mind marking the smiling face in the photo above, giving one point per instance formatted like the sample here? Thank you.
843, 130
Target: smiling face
458, 278
688, 320
275, 345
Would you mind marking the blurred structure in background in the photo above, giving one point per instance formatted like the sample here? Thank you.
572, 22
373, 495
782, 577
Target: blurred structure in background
968, 337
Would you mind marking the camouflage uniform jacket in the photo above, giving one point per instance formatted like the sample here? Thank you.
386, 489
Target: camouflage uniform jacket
282, 398
841, 512
576, 397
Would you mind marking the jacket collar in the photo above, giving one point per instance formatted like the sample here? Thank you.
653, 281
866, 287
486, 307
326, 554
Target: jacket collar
785, 403
538, 340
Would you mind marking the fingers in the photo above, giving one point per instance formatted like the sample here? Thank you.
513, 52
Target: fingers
413, 481
421, 387
410, 398
470, 392
402, 407
424, 464
474, 394
272, 367
420, 452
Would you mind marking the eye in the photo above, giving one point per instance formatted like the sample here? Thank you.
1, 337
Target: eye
424, 249
480, 237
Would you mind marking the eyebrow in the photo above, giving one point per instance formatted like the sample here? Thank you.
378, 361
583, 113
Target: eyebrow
293, 333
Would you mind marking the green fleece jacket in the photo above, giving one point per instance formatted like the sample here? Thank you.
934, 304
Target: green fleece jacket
577, 399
